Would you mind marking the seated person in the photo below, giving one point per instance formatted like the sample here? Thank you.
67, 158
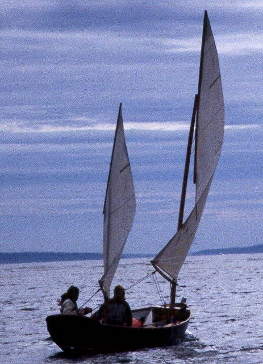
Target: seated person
115, 311
68, 303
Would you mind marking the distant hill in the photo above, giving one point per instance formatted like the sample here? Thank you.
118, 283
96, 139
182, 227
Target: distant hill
235, 250
30, 257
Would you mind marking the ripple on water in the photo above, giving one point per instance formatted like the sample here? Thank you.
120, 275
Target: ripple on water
219, 334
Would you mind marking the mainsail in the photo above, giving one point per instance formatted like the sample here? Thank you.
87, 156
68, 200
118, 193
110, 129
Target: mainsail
119, 206
209, 132
210, 115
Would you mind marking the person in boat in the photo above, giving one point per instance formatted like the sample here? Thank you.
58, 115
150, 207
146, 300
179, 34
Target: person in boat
115, 311
68, 303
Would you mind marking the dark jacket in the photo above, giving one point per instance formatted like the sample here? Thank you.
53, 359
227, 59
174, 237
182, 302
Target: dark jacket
115, 312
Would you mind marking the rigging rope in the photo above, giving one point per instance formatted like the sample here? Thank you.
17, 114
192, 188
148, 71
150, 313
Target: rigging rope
90, 298
134, 284
140, 280
158, 289
155, 282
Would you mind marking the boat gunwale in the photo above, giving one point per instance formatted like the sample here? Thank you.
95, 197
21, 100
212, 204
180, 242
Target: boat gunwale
117, 327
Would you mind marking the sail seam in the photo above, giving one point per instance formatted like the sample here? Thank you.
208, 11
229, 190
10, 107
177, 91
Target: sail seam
118, 208
212, 84
128, 165
205, 127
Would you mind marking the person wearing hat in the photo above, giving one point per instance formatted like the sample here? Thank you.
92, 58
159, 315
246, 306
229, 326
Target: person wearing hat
68, 303
115, 311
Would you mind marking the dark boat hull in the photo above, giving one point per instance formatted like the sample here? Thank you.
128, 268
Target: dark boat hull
83, 334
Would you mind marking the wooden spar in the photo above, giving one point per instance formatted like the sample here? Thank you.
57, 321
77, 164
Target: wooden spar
105, 296
172, 282
184, 188
187, 164
173, 293
161, 272
193, 128
190, 142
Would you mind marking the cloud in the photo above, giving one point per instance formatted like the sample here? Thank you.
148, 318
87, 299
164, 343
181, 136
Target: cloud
66, 66
84, 124
234, 44
241, 127
235, 214
36, 207
251, 5
44, 127
27, 4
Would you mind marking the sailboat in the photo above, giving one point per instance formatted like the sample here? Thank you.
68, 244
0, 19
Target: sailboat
163, 325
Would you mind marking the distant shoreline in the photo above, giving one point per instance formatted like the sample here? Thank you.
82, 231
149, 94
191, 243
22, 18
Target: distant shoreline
235, 250
42, 257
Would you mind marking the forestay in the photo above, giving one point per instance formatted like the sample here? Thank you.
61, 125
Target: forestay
119, 206
208, 144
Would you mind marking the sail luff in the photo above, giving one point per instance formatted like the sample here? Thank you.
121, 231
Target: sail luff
119, 206
107, 199
119, 120
205, 22
210, 112
106, 247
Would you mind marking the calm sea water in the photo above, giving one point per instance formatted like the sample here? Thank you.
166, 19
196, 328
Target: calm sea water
224, 293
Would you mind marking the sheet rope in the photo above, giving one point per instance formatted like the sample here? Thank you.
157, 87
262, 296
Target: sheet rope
152, 274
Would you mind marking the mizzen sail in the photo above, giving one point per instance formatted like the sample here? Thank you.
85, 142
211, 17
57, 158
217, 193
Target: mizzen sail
209, 134
119, 206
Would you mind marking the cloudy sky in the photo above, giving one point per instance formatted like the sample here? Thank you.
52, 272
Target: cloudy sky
65, 68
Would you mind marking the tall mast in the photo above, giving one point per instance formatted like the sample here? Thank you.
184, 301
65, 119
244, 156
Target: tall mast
188, 152
184, 188
206, 133
187, 164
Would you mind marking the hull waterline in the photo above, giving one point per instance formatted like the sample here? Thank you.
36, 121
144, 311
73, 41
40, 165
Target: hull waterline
82, 334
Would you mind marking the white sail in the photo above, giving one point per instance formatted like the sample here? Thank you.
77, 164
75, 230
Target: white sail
209, 139
172, 257
119, 207
210, 115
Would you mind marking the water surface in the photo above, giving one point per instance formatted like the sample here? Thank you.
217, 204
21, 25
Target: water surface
223, 292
